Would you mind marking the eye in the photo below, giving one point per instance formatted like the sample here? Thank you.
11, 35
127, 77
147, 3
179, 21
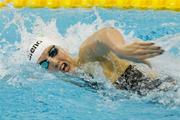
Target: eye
44, 64
53, 51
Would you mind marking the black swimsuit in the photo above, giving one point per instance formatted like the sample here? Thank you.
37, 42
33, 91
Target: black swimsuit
134, 80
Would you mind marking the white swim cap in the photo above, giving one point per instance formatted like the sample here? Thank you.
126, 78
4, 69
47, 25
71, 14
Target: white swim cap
38, 46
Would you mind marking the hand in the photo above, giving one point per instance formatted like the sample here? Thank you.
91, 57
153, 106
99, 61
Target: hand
139, 51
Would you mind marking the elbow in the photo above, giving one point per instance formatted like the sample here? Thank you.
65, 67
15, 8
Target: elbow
107, 29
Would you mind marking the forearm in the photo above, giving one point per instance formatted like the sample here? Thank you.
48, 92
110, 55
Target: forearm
112, 40
117, 49
136, 51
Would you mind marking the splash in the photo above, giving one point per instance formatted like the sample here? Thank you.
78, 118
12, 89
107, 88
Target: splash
16, 70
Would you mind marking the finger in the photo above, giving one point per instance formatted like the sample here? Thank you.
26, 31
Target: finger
137, 60
145, 52
149, 55
142, 43
147, 63
149, 47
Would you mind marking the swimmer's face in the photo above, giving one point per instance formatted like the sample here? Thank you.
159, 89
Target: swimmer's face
55, 58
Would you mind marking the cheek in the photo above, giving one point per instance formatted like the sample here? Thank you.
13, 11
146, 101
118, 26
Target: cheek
62, 56
53, 67
59, 55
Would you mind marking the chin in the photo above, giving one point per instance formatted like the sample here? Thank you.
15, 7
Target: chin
72, 69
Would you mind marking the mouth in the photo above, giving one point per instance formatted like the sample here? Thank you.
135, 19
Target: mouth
64, 67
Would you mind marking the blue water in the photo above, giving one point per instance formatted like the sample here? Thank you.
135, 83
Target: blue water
28, 92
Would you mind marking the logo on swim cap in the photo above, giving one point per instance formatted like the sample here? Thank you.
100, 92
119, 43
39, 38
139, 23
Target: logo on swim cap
38, 47
33, 48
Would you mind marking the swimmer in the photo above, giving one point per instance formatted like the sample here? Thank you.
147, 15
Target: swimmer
108, 48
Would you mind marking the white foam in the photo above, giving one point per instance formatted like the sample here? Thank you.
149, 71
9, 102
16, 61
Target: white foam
167, 63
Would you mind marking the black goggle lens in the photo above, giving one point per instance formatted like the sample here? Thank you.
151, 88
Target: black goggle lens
53, 52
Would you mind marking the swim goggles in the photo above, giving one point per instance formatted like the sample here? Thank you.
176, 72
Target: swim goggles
52, 53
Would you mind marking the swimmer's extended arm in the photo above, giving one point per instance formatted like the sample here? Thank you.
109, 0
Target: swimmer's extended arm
110, 39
